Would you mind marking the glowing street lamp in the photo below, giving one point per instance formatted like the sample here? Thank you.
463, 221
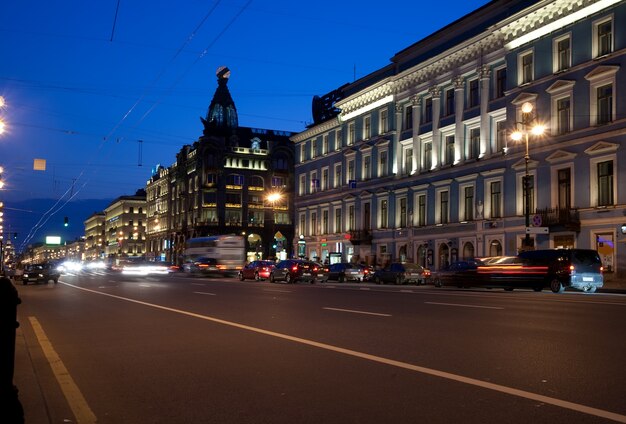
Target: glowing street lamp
529, 126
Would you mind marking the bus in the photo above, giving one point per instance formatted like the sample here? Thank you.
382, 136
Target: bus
228, 250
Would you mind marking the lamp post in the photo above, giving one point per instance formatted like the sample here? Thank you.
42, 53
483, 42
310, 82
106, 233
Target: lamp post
272, 198
529, 125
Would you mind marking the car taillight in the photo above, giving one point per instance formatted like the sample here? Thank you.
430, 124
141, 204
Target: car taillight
601, 269
572, 269
314, 269
294, 268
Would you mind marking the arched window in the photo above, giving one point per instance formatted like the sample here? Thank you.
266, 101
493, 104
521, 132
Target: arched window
495, 248
468, 251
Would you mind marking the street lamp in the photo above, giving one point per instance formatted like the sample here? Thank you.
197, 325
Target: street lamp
273, 198
529, 126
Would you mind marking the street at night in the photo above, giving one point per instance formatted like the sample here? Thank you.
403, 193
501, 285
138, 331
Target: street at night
110, 348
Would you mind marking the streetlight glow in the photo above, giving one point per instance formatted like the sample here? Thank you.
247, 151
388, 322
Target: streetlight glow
274, 197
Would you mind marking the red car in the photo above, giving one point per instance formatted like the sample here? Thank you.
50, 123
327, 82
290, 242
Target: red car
256, 270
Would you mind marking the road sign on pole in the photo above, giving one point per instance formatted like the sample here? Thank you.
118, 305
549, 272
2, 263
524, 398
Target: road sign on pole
537, 230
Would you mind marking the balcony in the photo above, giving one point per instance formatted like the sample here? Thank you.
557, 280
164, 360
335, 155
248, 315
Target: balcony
560, 219
358, 237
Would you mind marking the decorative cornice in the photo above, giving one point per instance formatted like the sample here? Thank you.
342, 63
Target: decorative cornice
329, 125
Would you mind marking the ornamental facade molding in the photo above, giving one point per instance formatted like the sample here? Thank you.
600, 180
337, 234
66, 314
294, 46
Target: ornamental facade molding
364, 98
326, 126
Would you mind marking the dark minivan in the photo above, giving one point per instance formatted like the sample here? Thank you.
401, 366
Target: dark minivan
577, 268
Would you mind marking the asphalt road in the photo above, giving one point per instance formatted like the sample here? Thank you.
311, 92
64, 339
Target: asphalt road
176, 349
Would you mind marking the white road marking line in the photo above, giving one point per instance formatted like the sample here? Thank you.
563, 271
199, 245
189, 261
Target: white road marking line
277, 290
407, 291
208, 294
391, 362
357, 312
72, 393
364, 288
464, 306
144, 285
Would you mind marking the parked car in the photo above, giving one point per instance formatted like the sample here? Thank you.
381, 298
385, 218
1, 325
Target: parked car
459, 274
343, 271
201, 265
402, 273
256, 270
40, 273
577, 268
294, 270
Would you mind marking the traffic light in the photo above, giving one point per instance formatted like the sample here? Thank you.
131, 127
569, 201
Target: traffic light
66, 222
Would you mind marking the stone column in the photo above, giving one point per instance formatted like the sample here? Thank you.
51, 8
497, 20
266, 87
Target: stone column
436, 99
397, 150
485, 140
459, 107
416, 104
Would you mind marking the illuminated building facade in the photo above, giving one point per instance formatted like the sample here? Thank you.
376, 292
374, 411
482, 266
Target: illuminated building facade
415, 162
94, 237
221, 184
125, 227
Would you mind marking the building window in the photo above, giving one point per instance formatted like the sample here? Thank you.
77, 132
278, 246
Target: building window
444, 209
605, 104
302, 186
468, 203
302, 224
382, 164
351, 133
403, 214
428, 158
408, 117
496, 199
325, 222
408, 160
325, 144
500, 82
338, 220
313, 148
501, 133
384, 214
563, 113
302, 152
367, 167
525, 67
338, 140
325, 179
450, 102
474, 143
337, 182
472, 98
367, 216
314, 223
562, 54
449, 153
530, 196
564, 177
367, 127
605, 183
383, 126
428, 110
421, 210
315, 183
351, 218
603, 38
351, 173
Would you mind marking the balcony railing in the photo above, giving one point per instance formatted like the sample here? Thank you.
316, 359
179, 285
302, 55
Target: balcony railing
358, 237
560, 218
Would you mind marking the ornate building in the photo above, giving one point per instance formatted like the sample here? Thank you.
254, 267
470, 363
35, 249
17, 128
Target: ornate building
416, 161
94, 236
222, 184
125, 227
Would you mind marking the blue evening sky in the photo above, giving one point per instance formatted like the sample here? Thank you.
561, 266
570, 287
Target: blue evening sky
82, 87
